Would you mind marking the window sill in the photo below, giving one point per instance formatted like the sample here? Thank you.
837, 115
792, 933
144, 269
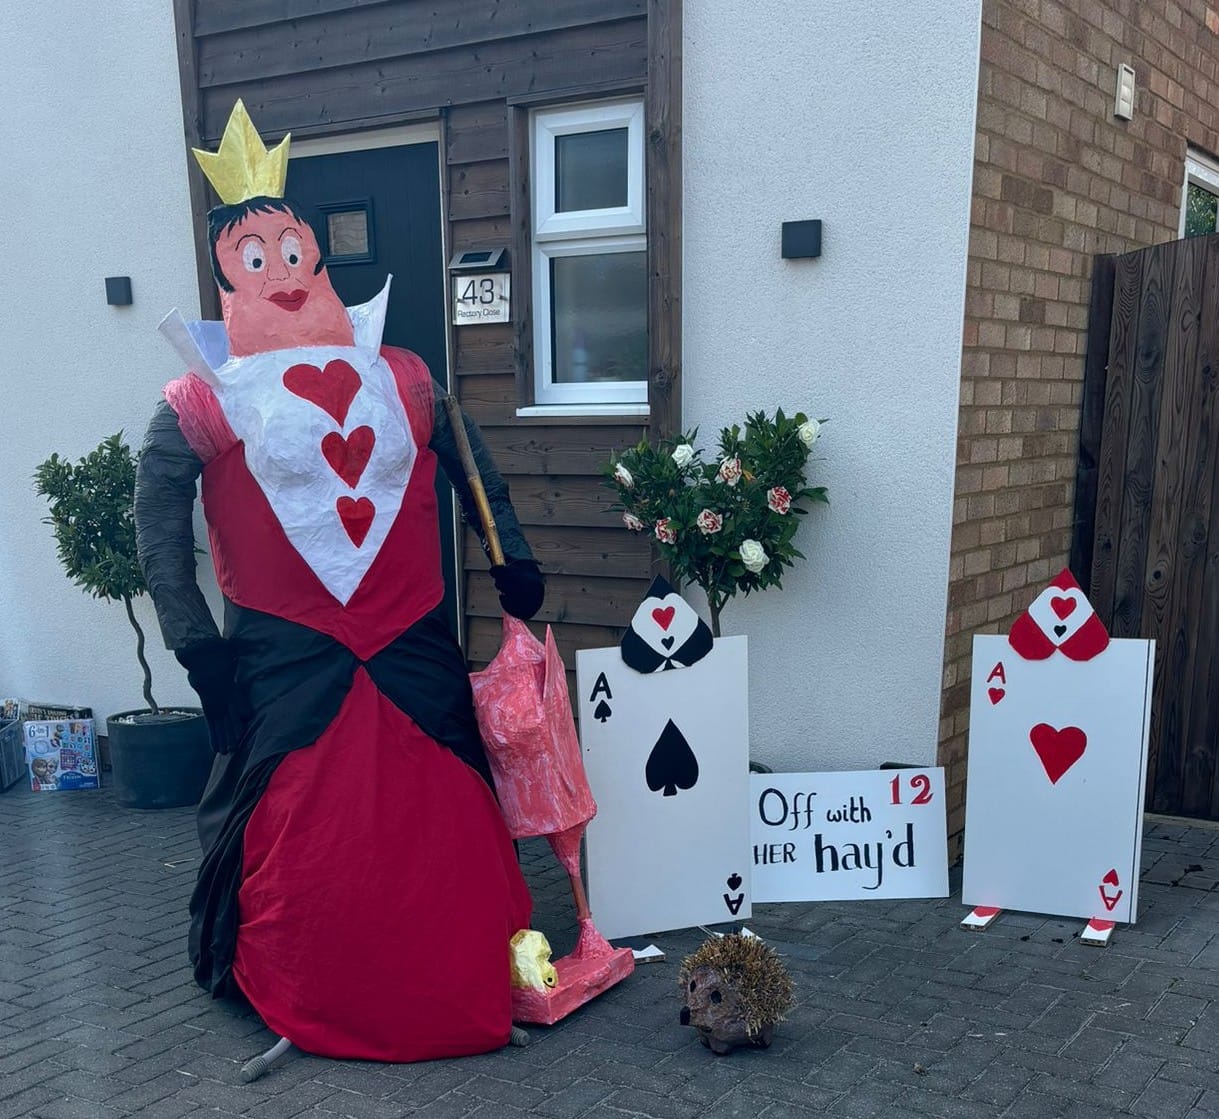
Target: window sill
535, 411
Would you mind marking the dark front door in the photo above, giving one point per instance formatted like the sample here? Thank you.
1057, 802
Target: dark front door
377, 212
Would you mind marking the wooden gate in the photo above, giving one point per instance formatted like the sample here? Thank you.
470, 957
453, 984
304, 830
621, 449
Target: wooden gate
1146, 542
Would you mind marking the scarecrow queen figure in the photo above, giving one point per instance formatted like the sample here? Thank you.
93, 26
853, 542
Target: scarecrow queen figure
358, 885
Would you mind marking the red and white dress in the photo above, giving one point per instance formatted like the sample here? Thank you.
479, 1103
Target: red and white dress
359, 886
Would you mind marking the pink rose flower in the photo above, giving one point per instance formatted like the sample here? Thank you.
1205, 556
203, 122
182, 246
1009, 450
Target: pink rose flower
729, 472
709, 522
779, 500
665, 532
632, 522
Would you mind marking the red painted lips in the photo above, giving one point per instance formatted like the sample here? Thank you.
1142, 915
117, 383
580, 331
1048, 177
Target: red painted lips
289, 300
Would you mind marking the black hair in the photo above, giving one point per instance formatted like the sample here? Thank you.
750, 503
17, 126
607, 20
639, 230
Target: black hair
222, 218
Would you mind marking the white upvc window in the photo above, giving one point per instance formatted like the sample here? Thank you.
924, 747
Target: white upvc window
590, 281
1199, 195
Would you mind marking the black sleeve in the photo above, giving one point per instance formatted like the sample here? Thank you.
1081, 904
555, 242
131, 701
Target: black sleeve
165, 540
511, 538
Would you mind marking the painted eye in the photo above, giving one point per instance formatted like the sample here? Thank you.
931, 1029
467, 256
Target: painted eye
716, 997
253, 257
291, 249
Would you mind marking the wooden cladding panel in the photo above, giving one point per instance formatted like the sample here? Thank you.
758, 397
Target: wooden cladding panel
484, 233
395, 88
555, 499
331, 35
610, 553
484, 635
569, 598
477, 132
478, 190
214, 17
558, 450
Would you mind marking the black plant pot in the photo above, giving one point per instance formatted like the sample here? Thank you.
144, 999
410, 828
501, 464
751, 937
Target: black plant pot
159, 761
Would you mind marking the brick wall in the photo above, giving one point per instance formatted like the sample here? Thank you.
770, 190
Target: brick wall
1057, 179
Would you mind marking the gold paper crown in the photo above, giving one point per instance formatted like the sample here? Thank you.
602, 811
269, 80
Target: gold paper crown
243, 167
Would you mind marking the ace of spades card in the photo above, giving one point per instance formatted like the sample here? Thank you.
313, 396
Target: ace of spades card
1057, 767
667, 758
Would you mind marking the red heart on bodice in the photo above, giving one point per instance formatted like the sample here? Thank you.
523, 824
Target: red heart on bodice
356, 516
348, 457
1063, 607
664, 618
1058, 749
332, 389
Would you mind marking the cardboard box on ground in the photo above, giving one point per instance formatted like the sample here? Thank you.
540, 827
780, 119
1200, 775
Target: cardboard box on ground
53, 744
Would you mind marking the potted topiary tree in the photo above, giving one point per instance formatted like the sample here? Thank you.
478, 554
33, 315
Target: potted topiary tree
160, 758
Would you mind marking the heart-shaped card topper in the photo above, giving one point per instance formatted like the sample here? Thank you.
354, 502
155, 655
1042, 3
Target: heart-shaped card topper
357, 517
1060, 619
1058, 750
349, 456
665, 632
332, 389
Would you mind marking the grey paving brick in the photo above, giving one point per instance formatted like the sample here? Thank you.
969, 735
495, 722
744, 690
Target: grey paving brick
1166, 1099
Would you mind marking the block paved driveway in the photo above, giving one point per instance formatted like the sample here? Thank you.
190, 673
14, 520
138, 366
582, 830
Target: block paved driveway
900, 1012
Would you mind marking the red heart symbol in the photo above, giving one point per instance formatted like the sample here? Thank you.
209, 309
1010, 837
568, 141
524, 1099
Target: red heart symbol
356, 517
348, 457
1111, 879
1058, 749
664, 618
995, 694
1063, 607
332, 389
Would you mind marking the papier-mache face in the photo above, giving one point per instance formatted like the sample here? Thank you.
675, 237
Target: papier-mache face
279, 298
274, 292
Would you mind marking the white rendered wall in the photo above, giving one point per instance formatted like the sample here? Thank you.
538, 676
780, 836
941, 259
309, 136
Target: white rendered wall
861, 115
92, 184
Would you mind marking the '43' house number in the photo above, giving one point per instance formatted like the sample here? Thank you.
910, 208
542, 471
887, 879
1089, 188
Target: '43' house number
481, 298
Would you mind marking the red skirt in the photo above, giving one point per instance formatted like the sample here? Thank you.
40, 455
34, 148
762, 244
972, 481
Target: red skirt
379, 891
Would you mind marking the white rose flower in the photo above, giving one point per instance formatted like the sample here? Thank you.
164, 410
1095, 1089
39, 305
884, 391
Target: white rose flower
623, 477
808, 432
683, 454
753, 556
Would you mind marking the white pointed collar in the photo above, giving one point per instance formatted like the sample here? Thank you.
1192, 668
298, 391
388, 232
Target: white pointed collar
203, 344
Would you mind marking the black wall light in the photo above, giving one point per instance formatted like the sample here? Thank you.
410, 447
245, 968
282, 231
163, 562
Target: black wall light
801, 239
118, 291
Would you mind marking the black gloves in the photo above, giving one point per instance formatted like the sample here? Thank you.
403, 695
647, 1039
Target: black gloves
521, 587
211, 669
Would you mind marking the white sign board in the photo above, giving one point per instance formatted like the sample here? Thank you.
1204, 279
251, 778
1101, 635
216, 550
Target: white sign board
849, 836
481, 297
667, 758
1057, 765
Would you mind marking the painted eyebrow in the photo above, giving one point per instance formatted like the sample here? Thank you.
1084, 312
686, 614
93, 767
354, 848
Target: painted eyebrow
245, 235
287, 230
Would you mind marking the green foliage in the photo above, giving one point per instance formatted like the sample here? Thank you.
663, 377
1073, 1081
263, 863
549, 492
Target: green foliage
727, 525
91, 513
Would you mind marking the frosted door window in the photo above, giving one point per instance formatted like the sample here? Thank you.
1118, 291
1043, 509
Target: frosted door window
599, 317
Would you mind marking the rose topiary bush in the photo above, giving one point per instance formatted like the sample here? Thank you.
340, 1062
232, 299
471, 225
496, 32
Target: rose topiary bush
727, 525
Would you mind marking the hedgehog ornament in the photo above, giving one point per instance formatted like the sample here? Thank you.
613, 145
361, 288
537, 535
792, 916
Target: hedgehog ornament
735, 991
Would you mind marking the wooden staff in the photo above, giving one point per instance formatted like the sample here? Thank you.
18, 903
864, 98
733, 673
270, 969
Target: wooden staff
474, 479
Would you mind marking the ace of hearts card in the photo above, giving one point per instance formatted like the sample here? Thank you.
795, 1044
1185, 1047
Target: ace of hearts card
1057, 767
667, 758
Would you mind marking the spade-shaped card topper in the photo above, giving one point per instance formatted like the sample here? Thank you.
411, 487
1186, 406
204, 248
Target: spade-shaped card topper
1060, 619
666, 632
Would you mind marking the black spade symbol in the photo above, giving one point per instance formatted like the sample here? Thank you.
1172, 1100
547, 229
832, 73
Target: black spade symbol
734, 883
671, 764
602, 711
1059, 630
